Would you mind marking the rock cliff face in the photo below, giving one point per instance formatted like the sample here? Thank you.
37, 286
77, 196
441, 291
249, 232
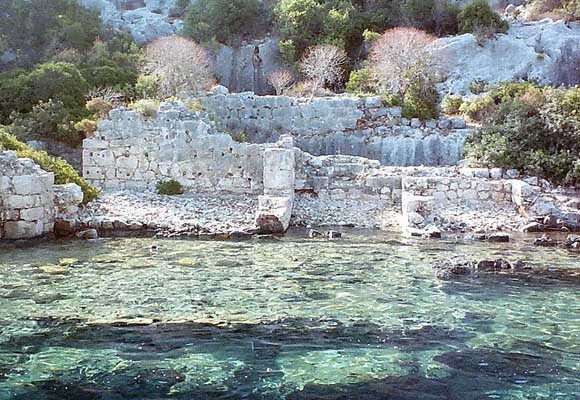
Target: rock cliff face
545, 51
144, 19
247, 67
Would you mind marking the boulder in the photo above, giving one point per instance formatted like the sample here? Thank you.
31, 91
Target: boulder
533, 227
65, 227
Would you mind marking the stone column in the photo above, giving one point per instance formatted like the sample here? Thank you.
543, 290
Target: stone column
275, 206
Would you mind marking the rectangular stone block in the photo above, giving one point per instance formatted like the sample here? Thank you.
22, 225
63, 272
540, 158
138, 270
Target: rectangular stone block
32, 214
22, 230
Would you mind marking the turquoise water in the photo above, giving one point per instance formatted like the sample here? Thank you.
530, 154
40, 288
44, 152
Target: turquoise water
358, 318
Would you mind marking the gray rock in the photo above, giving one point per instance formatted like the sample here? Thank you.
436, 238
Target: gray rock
533, 227
545, 51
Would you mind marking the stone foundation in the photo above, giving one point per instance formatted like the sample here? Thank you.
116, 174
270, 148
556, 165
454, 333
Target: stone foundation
133, 152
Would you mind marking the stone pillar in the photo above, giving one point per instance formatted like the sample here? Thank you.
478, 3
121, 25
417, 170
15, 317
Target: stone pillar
275, 206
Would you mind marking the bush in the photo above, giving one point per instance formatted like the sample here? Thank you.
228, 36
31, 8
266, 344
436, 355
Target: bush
421, 101
63, 171
479, 15
60, 82
87, 126
99, 106
361, 82
146, 107
452, 104
47, 120
478, 86
536, 131
556, 9
478, 109
227, 21
35, 28
147, 87
170, 188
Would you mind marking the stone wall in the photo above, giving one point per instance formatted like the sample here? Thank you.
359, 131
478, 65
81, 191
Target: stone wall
341, 125
134, 152
27, 207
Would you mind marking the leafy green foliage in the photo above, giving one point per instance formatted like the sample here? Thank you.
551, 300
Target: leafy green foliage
47, 120
63, 171
349, 23
37, 28
361, 82
421, 101
146, 107
170, 188
226, 21
452, 104
536, 131
62, 82
479, 15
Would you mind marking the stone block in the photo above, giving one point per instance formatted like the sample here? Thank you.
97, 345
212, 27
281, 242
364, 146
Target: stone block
32, 214
26, 184
14, 230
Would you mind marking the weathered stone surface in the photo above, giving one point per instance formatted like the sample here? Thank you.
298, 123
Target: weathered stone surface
273, 215
26, 198
544, 51
341, 125
65, 227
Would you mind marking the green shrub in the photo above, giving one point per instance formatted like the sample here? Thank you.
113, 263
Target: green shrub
34, 28
478, 109
510, 90
392, 100
146, 107
63, 171
147, 87
170, 188
420, 101
452, 104
370, 36
536, 131
478, 15
478, 86
87, 126
99, 106
47, 120
227, 21
60, 82
361, 82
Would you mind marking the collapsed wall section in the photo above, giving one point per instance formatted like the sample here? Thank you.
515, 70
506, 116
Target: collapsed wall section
27, 207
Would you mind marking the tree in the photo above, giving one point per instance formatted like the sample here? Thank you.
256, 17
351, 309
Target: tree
280, 80
400, 58
226, 21
323, 65
181, 65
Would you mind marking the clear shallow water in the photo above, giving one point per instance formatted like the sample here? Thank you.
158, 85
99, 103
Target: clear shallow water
358, 318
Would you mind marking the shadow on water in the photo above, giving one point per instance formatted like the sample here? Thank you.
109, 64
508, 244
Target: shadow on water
473, 372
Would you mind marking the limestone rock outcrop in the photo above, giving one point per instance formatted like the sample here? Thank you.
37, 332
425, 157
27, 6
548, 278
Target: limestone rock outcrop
545, 51
145, 20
